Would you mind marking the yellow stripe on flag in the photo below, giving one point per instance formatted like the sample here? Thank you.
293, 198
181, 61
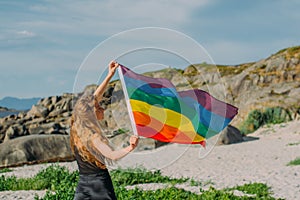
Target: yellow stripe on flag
168, 117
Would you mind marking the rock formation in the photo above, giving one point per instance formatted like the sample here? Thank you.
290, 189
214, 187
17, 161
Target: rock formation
34, 149
270, 82
49, 116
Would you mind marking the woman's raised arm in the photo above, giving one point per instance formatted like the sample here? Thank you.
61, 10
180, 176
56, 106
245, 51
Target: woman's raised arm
101, 88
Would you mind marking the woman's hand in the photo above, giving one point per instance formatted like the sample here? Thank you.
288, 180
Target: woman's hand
133, 141
101, 88
112, 67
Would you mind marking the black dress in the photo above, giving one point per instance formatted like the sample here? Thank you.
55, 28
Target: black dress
94, 183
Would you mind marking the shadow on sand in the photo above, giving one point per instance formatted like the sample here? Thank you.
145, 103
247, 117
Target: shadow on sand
249, 138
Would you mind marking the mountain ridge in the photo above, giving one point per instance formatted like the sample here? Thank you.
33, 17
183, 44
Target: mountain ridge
18, 103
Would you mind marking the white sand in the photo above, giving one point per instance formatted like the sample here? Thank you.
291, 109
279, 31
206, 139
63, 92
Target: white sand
263, 160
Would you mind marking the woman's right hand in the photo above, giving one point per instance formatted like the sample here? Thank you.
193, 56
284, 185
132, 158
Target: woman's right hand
112, 67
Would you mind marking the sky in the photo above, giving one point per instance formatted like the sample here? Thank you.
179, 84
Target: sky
52, 47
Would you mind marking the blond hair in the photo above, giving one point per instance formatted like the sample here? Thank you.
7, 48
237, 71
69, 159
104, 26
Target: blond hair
84, 128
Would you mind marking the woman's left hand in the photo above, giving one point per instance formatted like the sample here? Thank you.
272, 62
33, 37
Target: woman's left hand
133, 141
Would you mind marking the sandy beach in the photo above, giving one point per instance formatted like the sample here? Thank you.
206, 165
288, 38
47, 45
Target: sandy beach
263, 159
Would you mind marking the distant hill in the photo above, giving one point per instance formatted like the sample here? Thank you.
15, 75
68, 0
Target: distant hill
17, 103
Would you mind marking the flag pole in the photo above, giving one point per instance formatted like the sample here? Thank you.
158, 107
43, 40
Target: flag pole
127, 100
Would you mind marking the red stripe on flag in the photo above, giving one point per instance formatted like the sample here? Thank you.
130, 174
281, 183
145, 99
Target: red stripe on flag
150, 127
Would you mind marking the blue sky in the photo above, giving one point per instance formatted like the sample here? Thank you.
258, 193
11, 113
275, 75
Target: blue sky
44, 43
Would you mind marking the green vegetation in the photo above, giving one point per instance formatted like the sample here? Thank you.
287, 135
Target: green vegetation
290, 52
126, 177
293, 50
232, 70
294, 162
195, 183
293, 144
258, 118
61, 184
259, 189
4, 170
118, 132
224, 70
53, 178
199, 183
167, 193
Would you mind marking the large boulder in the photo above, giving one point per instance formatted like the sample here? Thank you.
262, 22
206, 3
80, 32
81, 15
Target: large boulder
35, 149
230, 135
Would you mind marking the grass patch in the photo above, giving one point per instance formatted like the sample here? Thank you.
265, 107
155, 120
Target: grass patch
167, 193
124, 177
54, 178
294, 162
199, 183
293, 144
290, 52
225, 70
195, 183
4, 170
259, 189
61, 184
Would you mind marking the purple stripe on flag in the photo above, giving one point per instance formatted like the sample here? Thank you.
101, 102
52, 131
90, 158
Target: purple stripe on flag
153, 82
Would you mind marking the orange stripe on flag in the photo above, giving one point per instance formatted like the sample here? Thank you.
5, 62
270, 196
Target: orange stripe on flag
157, 130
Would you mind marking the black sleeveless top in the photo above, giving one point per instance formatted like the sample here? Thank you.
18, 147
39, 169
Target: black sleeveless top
86, 167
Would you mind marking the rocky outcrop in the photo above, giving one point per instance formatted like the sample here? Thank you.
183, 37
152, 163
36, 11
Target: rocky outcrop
35, 149
271, 82
49, 116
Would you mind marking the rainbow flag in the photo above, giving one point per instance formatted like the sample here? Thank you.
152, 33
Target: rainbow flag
157, 110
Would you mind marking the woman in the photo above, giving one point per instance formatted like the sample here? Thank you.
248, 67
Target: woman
91, 148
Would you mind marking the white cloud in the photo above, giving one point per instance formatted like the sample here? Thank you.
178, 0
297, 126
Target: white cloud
26, 34
11, 34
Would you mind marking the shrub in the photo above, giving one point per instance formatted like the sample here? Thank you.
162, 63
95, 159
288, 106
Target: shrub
258, 118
